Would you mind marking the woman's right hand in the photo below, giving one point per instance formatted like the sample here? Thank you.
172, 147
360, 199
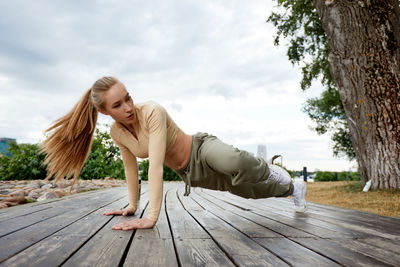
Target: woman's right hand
123, 212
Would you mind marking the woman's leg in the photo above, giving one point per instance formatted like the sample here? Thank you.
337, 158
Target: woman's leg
248, 174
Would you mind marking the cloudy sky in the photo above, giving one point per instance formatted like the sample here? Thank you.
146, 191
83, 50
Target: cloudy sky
211, 64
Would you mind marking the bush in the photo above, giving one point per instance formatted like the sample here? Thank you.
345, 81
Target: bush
24, 163
169, 174
323, 176
104, 159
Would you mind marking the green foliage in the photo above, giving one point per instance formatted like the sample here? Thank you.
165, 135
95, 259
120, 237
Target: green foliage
169, 174
24, 163
298, 22
324, 176
104, 159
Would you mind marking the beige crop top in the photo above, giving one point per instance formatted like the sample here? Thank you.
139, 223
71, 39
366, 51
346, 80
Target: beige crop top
156, 133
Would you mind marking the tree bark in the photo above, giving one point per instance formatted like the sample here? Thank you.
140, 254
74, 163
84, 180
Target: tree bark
364, 58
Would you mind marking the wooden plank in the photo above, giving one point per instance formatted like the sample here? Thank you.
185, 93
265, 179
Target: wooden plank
242, 250
293, 222
182, 224
153, 247
108, 246
247, 227
293, 253
55, 249
19, 240
150, 252
338, 253
372, 248
375, 226
283, 209
201, 252
364, 221
53, 208
193, 244
308, 219
29, 208
275, 226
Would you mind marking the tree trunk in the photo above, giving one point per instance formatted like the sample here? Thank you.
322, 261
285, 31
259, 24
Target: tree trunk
364, 58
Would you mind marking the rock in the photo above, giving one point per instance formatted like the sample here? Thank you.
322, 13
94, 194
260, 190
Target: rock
16, 199
46, 196
59, 193
18, 192
10, 204
3, 205
47, 186
5, 192
32, 185
33, 195
40, 183
62, 184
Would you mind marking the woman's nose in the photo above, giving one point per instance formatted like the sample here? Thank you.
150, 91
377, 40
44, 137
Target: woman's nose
127, 107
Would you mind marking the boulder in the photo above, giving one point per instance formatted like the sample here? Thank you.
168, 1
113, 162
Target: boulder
47, 186
18, 192
63, 184
16, 199
32, 185
5, 192
46, 196
33, 194
59, 193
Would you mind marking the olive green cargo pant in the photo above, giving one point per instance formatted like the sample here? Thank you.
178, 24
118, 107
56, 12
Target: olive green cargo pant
219, 166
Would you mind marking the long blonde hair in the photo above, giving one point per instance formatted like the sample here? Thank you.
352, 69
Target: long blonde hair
70, 137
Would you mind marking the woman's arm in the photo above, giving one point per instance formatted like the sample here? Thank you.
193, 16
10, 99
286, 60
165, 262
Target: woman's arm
131, 175
157, 125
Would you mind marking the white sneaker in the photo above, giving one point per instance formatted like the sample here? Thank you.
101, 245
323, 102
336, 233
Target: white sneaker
279, 174
299, 196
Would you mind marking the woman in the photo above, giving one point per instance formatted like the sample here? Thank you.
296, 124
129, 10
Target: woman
146, 130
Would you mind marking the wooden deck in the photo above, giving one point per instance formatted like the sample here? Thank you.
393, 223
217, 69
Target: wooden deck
208, 228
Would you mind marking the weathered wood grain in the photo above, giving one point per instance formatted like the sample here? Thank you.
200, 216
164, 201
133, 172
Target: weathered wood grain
153, 247
17, 241
194, 246
206, 228
55, 249
243, 250
283, 229
294, 253
338, 253
108, 246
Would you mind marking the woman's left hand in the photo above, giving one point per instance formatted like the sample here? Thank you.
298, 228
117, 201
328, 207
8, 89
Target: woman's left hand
135, 224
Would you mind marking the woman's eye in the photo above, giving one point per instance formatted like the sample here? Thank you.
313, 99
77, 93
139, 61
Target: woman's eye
117, 106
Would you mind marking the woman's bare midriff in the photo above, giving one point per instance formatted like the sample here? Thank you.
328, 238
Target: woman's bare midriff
178, 154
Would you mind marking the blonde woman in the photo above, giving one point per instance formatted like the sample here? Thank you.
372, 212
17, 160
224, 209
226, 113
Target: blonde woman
146, 130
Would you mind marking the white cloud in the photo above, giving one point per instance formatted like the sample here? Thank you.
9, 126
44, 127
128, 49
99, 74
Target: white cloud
211, 63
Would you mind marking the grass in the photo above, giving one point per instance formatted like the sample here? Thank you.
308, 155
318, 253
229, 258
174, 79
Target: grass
349, 195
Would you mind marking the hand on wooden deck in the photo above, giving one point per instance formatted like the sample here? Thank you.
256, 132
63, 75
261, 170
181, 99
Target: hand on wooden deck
135, 224
123, 212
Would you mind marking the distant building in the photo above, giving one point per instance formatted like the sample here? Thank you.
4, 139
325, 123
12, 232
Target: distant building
4, 144
262, 152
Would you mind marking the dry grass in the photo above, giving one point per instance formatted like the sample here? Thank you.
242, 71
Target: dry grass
349, 195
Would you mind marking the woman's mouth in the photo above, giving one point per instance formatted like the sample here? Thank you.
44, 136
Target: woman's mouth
130, 117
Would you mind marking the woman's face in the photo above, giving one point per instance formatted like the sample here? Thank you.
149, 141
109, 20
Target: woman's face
118, 104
